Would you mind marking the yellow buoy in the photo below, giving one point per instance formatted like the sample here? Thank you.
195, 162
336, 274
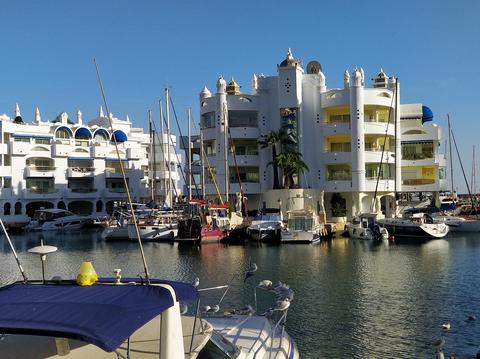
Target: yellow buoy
87, 274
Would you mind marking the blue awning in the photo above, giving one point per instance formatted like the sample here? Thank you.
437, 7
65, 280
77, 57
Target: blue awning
103, 315
83, 132
427, 114
116, 159
102, 131
120, 136
31, 136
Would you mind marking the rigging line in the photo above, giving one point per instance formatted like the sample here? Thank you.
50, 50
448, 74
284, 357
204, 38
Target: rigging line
122, 169
181, 137
167, 162
210, 170
242, 192
383, 150
463, 171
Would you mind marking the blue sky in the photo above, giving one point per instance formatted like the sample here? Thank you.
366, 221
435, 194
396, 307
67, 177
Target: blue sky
47, 51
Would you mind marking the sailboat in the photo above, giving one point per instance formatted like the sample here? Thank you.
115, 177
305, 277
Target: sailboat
467, 222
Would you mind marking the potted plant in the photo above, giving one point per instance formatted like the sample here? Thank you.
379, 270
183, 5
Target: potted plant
339, 208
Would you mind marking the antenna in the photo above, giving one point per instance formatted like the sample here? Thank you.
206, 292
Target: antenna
125, 183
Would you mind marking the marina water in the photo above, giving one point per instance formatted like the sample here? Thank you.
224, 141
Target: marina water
352, 299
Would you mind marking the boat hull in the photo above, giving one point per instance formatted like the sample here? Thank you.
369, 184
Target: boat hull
153, 233
407, 230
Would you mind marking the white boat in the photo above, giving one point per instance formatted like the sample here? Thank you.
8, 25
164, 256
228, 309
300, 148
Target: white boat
54, 219
266, 228
302, 227
418, 226
153, 232
365, 227
458, 224
135, 319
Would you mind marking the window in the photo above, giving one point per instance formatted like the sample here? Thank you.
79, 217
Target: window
6, 137
345, 118
242, 119
246, 147
6, 209
43, 141
7, 182
442, 173
387, 171
21, 139
246, 174
18, 208
40, 185
339, 172
210, 175
7, 160
208, 120
209, 147
341, 147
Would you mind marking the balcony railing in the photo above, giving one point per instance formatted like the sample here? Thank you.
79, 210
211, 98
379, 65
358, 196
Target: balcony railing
42, 190
417, 156
83, 190
116, 190
42, 168
339, 176
111, 170
83, 169
417, 181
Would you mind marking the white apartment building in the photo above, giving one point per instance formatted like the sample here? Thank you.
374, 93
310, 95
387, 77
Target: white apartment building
340, 132
71, 165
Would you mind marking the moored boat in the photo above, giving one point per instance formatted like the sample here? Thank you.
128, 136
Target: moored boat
419, 226
365, 227
54, 219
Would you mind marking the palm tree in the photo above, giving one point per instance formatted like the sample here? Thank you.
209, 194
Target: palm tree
291, 163
272, 139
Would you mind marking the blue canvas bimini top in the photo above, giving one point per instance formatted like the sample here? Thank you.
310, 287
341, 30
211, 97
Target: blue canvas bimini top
103, 315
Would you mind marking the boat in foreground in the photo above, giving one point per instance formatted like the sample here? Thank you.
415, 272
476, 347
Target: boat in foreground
130, 318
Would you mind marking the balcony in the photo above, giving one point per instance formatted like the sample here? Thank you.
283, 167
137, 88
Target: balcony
19, 148
115, 172
420, 184
338, 128
81, 192
384, 185
39, 171
378, 128
337, 157
79, 172
37, 193
244, 132
135, 153
61, 149
420, 159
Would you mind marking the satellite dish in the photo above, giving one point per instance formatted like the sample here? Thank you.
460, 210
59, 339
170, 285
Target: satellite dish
314, 67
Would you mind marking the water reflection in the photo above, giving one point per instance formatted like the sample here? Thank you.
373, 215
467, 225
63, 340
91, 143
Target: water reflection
352, 299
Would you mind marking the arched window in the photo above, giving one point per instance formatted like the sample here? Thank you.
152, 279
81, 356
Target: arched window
61, 205
63, 132
18, 208
6, 209
99, 206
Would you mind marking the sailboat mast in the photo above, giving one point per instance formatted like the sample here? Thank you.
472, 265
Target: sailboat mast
450, 150
225, 139
151, 159
189, 155
398, 145
163, 183
167, 112
202, 162
474, 191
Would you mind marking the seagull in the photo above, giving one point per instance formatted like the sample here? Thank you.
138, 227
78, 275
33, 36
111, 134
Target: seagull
282, 305
196, 282
206, 308
446, 326
214, 309
250, 271
471, 317
265, 284
438, 342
